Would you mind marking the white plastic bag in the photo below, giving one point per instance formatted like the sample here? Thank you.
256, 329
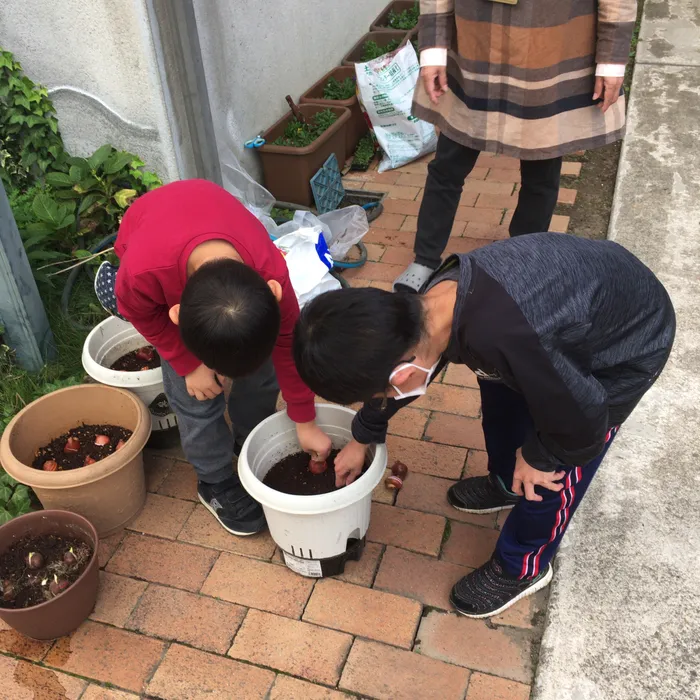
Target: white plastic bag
308, 261
386, 86
344, 228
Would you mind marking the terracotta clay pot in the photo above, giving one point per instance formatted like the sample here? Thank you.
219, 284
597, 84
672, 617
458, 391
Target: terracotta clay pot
288, 170
64, 613
382, 21
109, 493
382, 38
357, 126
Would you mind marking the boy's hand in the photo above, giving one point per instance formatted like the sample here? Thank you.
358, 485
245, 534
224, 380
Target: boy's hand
525, 478
314, 441
202, 384
435, 81
349, 463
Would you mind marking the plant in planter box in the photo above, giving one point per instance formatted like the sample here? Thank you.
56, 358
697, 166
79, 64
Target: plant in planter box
405, 20
364, 153
337, 90
372, 50
299, 135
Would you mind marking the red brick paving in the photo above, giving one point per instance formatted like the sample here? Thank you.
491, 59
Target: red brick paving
187, 611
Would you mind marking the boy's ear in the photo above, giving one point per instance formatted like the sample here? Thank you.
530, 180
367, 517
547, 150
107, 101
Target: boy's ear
276, 289
174, 314
403, 375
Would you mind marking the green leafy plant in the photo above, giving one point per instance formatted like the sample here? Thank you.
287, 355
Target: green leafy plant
363, 153
299, 135
405, 20
336, 90
30, 142
280, 215
372, 50
14, 498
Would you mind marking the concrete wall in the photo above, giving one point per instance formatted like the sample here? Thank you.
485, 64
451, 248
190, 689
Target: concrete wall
257, 52
96, 57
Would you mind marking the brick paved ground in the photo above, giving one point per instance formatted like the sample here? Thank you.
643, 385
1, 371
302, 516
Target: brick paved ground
187, 611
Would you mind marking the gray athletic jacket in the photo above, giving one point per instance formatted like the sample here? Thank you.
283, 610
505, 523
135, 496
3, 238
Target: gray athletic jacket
580, 328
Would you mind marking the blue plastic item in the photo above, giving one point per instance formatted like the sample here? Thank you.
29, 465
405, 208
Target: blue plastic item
327, 186
255, 143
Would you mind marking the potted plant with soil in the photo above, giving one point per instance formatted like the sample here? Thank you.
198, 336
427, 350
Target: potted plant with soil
80, 449
298, 145
116, 354
373, 45
338, 88
401, 15
48, 573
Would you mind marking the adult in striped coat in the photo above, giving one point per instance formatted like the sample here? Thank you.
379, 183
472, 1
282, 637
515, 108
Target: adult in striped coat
531, 79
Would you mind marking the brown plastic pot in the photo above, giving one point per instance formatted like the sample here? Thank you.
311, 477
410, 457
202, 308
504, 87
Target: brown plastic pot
288, 170
109, 493
64, 613
382, 38
357, 125
382, 21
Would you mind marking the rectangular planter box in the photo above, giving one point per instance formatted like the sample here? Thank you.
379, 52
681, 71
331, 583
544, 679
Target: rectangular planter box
382, 38
382, 21
288, 170
357, 126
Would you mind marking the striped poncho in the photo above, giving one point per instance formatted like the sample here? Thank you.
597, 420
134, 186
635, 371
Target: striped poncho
522, 76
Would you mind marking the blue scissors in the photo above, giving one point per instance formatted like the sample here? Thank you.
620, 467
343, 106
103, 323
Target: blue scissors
255, 143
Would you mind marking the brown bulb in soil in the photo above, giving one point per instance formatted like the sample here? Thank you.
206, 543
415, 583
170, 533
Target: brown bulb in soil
89, 460
145, 354
317, 467
399, 469
35, 560
69, 558
120, 444
8, 591
72, 445
393, 483
144, 369
58, 585
102, 440
50, 465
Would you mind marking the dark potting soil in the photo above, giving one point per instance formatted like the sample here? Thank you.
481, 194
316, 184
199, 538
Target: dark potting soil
57, 563
85, 435
138, 360
291, 475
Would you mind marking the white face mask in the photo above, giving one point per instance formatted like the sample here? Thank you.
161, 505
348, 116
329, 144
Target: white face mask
419, 390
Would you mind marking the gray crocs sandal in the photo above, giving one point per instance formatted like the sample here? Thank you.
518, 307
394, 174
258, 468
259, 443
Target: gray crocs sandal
412, 278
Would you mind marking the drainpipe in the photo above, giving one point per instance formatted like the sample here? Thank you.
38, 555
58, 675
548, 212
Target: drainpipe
179, 59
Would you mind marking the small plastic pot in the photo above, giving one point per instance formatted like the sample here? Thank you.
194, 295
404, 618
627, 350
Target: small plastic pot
357, 126
64, 613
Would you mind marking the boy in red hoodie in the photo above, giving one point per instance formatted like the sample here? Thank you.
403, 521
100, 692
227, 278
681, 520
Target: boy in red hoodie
201, 280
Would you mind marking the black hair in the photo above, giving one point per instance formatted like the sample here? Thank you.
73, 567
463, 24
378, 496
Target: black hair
229, 317
348, 342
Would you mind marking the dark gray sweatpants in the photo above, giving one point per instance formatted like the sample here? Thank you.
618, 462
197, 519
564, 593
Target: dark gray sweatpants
206, 439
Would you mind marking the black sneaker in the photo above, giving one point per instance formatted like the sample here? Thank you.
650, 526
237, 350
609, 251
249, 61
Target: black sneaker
489, 590
480, 494
231, 505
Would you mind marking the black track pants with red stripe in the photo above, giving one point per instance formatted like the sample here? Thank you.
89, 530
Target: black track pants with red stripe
533, 530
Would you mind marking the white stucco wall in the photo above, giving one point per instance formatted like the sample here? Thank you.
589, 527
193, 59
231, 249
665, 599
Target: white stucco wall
257, 51
92, 51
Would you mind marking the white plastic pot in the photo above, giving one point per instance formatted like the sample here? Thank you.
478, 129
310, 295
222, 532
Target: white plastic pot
315, 533
106, 343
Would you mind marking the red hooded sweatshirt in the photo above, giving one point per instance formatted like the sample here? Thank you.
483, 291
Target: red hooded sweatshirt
157, 235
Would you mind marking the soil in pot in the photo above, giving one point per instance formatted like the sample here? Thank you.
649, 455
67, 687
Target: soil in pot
299, 135
138, 360
38, 568
81, 447
292, 475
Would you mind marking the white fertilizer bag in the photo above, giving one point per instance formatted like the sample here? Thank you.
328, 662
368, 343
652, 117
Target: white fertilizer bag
386, 86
